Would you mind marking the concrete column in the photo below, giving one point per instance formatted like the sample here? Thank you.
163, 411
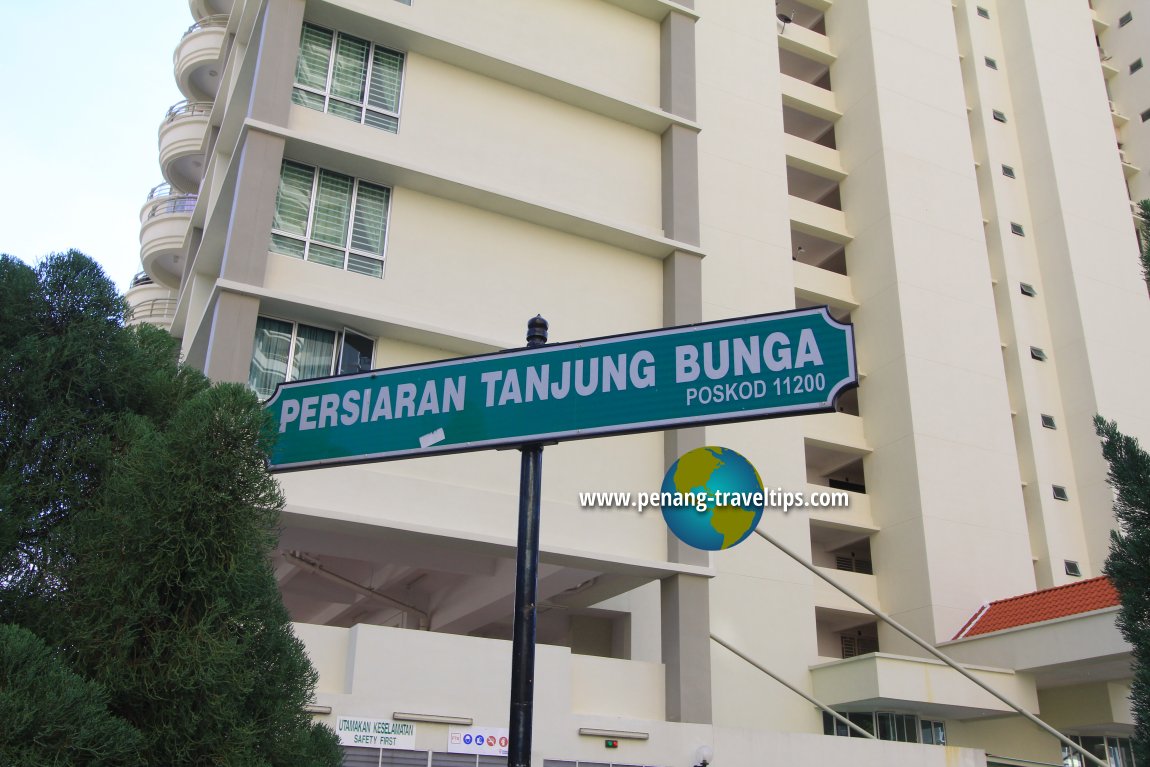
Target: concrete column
255, 165
682, 304
685, 598
279, 35
232, 336
260, 155
687, 648
258, 162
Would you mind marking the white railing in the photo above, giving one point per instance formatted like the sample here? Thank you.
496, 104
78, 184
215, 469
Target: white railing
180, 203
161, 190
218, 20
153, 309
188, 108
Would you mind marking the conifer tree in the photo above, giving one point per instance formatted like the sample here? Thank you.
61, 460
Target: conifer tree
53, 717
136, 523
1128, 565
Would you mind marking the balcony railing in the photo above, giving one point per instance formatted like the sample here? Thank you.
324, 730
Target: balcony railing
180, 203
188, 108
161, 190
218, 20
154, 309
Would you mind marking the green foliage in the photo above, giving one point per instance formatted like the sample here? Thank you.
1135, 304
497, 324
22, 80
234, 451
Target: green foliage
136, 520
52, 716
71, 374
1128, 565
1144, 230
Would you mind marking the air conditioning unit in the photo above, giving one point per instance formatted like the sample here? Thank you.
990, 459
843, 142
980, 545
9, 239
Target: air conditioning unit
1113, 108
1122, 156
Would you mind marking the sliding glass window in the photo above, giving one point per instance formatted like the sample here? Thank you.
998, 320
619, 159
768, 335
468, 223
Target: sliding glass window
349, 77
331, 219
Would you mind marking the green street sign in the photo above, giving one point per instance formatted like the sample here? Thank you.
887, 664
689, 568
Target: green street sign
768, 365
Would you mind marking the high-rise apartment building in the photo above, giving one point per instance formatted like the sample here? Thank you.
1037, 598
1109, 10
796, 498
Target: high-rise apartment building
355, 185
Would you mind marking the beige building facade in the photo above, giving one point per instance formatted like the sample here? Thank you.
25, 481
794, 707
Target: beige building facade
354, 185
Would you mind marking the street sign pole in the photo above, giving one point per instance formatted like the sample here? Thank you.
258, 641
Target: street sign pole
526, 581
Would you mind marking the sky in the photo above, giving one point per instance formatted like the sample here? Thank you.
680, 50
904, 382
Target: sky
86, 87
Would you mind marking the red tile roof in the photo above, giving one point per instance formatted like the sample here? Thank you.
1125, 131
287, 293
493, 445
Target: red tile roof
1048, 604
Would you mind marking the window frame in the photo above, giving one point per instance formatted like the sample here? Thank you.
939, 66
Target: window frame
1112, 745
936, 727
336, 357
363, 106
308, 238
891, 722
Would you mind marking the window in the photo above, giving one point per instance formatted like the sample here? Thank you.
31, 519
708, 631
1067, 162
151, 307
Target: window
1145, 115
1116, 751
1060, 493
864, 720
990, 62
1027, 289
888, 725
998, 115
1125, 19
331, 219
1048, 421
1017, 229
1072, 568
290, 351
983, 12
1135, 65
348, 77
897, 727
1037, 353
933, 732
1008, 171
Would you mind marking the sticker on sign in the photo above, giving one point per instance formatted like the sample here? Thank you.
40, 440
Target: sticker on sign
478, 740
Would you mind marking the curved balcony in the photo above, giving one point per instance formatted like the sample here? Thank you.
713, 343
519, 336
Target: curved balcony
164, 222
181, 142
201, 9
149, 302
197, 58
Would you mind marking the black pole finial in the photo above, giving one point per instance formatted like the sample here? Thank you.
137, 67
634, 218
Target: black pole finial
536, 331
